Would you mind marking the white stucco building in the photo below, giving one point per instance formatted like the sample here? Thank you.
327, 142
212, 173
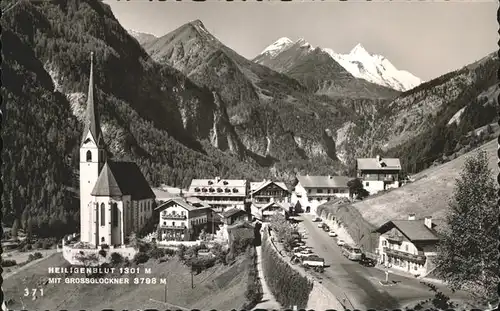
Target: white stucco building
115, 198
408, 245
182, 219
311, 191
378, 174
267, 190
221, 194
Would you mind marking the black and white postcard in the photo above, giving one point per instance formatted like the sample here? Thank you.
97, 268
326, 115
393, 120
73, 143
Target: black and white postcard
243, 155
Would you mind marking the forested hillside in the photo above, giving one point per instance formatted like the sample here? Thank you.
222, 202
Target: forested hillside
434, 120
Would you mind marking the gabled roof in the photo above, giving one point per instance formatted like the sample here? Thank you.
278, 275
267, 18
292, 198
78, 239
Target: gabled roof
232, 212
414, 230
181, 202
92, 123
257, 186
375, 164
122, 178
323, 181
283, 206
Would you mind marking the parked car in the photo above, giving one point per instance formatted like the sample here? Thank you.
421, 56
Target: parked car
332, 234
306, 251
326, 228
320, 225
367, 262
317, 219
340, 242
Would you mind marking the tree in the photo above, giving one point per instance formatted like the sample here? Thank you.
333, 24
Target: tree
467, 253
283, 230
356, 189
15, 228
29, 228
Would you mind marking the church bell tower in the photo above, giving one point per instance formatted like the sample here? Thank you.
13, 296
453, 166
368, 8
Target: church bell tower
92, 159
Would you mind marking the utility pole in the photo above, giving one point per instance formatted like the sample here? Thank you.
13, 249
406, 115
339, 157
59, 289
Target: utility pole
165, 292
192, 281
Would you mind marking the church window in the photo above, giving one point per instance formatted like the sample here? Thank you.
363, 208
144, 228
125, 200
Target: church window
89, 156
103, 214
114, 215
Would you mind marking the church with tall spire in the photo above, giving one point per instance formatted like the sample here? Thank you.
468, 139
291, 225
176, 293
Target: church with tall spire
115, 198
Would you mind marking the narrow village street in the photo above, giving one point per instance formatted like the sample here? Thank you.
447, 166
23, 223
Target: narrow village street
362, 283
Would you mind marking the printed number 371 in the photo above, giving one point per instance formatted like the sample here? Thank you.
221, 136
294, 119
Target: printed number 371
33, 291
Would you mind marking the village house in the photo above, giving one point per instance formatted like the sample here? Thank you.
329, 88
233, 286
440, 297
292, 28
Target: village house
267, 190
234, 215
408, 245
265, 211
378, 174
183, 219
115, 198
311, 191
220, 194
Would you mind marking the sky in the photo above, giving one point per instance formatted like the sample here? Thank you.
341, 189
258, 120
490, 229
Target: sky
425, 38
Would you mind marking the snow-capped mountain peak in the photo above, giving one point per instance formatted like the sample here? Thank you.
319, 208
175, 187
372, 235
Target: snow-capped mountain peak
359, 50
278, 46
359, 62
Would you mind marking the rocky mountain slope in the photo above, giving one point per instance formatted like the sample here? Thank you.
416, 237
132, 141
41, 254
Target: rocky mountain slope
420, 125
141, 37
359, 63
274, 115
318, 71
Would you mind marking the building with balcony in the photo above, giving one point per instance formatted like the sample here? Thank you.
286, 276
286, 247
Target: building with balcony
220, 194
408, 245
266, 191
311, 191
183, 219
378, 174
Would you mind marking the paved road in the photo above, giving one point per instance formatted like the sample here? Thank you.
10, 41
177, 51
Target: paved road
360, 283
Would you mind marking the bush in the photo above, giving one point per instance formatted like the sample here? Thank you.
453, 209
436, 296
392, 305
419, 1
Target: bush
141, 258
181, 252
103, 253
288, 286
116, 258
156, 253
8, 262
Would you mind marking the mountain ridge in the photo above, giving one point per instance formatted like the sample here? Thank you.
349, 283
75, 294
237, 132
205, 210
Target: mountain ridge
359, 62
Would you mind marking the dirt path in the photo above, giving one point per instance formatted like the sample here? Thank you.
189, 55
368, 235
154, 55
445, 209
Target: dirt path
268, 301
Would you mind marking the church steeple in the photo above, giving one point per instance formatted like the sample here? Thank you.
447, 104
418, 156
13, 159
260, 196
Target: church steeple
92, 123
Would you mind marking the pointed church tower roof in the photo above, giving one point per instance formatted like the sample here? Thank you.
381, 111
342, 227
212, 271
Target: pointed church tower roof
92, 123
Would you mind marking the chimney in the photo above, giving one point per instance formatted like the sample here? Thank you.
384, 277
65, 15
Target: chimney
379, 158
217, 179
329, 177
411, 217
428, 222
